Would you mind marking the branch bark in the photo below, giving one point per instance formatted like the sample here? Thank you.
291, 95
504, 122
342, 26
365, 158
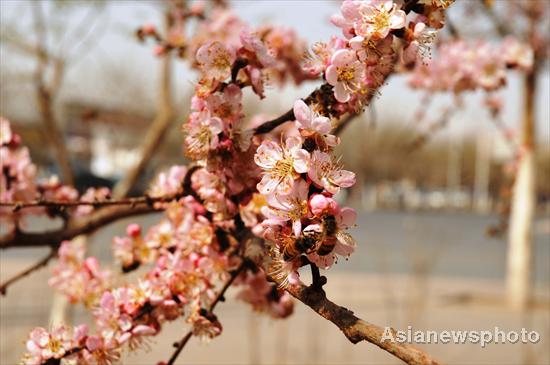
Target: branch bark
22, 274
75, 227
356, 329
220, 297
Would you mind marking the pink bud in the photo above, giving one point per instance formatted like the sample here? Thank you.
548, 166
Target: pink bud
133, 230
93, 343
92, 265
158, 50
149, 28
320, 204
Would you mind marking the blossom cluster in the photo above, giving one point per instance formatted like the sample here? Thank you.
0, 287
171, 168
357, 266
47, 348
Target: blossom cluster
189, 264
460, 66
300, 177
19, 183
242, 187
78, 277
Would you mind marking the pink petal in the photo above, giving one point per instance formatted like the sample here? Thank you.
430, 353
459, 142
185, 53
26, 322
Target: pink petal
343, 178
332, 75
268, 154
342, 57
398, 19
322, 125
302, 112
267, 185
347, 217
301, 161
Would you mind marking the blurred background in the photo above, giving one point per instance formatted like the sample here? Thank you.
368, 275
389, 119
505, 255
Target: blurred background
432, 192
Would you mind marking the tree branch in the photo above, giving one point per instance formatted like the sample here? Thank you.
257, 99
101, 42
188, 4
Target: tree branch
75, 227
22, 274
146, 199
270, 125
354, 328
97, 219
220, 297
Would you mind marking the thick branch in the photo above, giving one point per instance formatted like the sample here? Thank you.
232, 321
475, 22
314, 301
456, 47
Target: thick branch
354, 328
99, 218
87, 224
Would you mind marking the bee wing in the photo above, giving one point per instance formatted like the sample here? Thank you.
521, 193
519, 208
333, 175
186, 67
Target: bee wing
345, 238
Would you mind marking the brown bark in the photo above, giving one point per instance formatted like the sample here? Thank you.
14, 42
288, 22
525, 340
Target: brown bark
356, 329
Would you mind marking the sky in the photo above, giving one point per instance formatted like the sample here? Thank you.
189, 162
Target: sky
118, 70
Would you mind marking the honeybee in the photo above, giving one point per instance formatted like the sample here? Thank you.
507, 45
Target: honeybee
303, 244
331, 234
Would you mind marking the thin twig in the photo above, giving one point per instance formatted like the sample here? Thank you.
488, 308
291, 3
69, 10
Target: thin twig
22, 274
423, 138
502, 28
18, 205
220, 297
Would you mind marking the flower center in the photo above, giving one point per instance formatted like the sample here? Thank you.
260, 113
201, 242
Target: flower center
221, 60
345, 74
380, 20
284, 167
54, 345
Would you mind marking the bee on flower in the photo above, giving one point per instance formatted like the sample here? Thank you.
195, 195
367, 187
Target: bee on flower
291, 207
331, 233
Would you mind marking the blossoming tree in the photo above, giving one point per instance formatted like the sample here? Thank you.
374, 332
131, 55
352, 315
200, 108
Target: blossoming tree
256, 204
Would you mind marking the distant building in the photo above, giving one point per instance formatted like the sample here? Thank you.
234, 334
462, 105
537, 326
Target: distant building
103, 141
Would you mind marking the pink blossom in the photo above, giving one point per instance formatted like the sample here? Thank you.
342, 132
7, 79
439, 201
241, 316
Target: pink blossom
254, 45
314, 126
168, 183
345, 74
42, 345
327, 173
292, 206
216, 60
202, 135
281, 165
378, 18
517, 53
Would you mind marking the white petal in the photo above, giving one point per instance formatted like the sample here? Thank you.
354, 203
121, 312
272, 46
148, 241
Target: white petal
340, 93
302, 113
301, 161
